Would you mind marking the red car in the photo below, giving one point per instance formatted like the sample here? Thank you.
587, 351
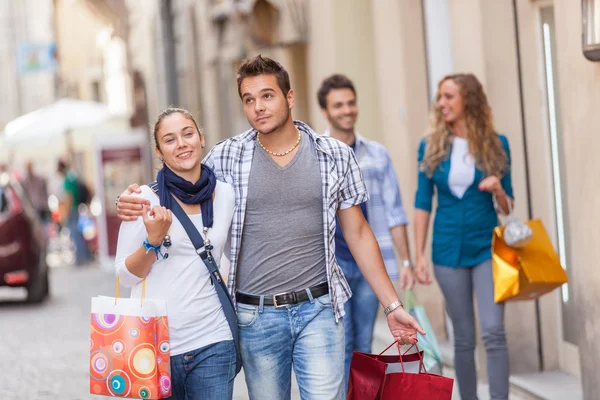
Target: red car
22, 242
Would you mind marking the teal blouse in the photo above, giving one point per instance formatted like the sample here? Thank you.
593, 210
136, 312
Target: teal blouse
462, 229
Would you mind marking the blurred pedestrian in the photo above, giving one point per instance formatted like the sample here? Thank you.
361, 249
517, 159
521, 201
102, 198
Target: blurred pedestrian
290, 183
383, 211
203, 353
37, 190
70, 199
468, 164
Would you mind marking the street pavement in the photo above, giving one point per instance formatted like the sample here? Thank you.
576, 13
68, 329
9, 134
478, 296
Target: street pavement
44, 349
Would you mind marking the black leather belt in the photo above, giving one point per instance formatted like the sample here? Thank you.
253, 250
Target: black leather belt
283, 299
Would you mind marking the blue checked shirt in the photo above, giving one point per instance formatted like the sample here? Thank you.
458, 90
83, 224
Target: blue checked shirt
384, 208
343, 187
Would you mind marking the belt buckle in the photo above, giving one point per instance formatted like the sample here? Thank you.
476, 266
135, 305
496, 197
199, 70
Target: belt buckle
275, 300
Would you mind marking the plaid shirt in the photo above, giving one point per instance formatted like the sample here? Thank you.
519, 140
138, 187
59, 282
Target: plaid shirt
384, 208
343, 187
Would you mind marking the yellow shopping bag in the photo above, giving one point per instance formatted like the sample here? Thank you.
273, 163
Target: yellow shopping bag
529, 272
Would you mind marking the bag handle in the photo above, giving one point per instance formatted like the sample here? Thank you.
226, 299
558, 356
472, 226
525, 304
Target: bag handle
499, 209
400, 354
118, 291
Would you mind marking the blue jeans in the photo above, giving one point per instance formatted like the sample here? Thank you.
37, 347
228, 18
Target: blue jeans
206, 373
361, 313
82, 254
304, 336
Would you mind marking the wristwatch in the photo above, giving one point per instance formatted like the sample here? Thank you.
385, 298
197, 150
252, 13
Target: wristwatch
408, 264
392, 307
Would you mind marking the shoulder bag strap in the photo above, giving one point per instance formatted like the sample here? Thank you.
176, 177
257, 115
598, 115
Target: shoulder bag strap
213, 271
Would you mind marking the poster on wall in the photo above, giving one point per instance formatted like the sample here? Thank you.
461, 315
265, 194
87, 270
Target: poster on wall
120, 161
36, 57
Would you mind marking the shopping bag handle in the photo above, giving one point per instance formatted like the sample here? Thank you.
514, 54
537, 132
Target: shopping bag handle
118, 291
499, 209
400, 354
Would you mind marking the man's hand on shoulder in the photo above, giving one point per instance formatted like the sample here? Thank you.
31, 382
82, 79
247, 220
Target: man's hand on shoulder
129, 206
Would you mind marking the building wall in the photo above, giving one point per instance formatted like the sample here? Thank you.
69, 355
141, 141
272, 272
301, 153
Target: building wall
23, 21
580, 95
77, 29
343, 45
539, 163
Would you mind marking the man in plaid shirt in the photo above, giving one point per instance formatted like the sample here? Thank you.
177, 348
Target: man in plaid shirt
289, 184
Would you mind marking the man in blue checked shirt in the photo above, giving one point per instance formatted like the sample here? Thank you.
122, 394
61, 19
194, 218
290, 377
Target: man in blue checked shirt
383, 211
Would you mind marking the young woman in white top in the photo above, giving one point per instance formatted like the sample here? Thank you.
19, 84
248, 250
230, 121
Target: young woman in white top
156, 248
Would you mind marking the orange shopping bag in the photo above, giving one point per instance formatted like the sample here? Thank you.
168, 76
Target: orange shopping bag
129, 348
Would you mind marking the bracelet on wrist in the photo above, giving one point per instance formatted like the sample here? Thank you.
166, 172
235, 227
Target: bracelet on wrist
150, 247
408, 264
388, 310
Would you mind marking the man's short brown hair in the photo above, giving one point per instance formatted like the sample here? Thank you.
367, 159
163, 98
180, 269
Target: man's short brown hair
337, 81
259, 65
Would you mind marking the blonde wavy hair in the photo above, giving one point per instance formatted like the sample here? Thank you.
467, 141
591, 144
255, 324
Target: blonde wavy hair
484, 144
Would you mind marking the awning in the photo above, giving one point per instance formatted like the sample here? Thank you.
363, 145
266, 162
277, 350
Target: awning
53, 121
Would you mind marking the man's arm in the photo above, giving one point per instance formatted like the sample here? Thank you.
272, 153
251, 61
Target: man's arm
400, 239
365, 250
396, 219
129, 207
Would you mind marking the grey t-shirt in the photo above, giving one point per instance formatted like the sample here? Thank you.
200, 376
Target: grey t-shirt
283, 246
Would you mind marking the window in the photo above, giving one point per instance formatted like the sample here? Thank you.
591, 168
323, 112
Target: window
556, 157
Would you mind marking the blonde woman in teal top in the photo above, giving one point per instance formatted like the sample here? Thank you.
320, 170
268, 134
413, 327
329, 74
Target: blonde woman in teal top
466, 163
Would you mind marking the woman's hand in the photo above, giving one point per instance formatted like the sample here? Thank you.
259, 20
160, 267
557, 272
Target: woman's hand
157, 222
492, 185
422, 271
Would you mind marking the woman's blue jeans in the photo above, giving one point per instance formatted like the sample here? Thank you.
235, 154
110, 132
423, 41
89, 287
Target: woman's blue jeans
206, 373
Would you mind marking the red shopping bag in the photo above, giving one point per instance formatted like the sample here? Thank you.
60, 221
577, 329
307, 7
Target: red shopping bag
371, 380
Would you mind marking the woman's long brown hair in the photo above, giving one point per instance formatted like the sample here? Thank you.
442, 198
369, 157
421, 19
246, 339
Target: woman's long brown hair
484, 144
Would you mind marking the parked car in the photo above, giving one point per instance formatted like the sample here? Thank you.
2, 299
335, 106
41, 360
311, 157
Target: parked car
22, 242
